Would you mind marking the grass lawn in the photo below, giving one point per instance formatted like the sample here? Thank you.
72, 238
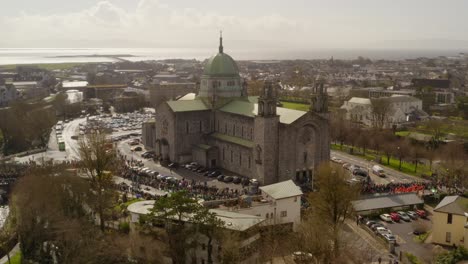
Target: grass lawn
47, 66
296, 106
402, 133
421, 238
16, 259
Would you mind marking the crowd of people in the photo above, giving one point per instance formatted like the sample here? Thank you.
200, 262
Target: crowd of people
197, 189
372, 188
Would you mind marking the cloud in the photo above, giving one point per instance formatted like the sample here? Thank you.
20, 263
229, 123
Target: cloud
151, 23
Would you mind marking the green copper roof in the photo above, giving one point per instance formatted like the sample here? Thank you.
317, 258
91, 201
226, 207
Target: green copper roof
246, 108
221, 65
231, 139
204, 146
187, 105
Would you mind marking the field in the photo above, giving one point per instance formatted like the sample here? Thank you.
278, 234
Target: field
295, 106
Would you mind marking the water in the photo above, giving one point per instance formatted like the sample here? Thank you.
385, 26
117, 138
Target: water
35, 56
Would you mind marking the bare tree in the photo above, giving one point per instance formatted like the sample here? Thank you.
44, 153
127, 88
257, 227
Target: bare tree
332, 203
97, 159
380, 111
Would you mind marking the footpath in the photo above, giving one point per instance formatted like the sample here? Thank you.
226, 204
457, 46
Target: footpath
13, 252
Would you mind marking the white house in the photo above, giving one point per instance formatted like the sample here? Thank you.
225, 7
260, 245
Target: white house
402, 109
280, 204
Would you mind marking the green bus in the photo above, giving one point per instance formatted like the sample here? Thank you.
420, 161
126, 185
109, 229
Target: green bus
61, 145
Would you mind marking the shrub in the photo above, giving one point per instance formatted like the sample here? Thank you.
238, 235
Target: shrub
124, 227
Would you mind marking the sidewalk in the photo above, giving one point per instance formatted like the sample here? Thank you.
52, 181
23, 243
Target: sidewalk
15, 250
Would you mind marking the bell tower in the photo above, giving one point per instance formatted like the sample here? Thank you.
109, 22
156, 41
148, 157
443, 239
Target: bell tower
267, 100
319, 99
266, 131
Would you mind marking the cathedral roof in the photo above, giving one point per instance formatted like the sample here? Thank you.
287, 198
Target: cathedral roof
221, 64
187, 105
246, 108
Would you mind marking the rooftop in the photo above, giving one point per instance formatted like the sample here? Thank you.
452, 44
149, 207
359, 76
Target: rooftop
359, 100
250, 109
386, 201
453, 205
232, 220
74, 84
237, 221
282, 190
231, 139
187, 105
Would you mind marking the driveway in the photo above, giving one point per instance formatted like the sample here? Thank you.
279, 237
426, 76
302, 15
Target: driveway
406, 239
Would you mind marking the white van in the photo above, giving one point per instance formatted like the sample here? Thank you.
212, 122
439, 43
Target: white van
377, 170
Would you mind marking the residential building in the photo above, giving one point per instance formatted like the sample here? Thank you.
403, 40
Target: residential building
449, 221
278, 204
401, 110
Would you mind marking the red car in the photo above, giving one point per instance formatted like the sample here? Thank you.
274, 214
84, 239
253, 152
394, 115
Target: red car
421, 213
395, 217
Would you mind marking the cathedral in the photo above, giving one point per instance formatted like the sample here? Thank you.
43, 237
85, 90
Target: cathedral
250, 136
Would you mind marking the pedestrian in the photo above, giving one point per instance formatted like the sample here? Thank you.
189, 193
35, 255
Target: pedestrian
380, 260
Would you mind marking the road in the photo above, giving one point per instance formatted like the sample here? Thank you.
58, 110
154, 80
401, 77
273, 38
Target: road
71, 145
392, 175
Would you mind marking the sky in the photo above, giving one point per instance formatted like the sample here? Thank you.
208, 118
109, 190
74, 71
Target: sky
246, 24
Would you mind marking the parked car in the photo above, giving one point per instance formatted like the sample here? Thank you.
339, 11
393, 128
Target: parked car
360, 172
404, 216
220, 177
236, 179
386, 217
375, 226
413, 215
370, 223
337, 160
173, 165
228, 179
346, 166
377, 170
353, 167
137, 149
214, 174
389, 237
208, 172
382, 230
245, 181
421, 213
201, 170
395, 217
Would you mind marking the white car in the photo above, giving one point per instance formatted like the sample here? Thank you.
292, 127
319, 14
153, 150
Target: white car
386, 217
413, 215
389, 237
337, 160
382, 230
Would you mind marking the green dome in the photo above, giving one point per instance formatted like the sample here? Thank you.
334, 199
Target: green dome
221, 65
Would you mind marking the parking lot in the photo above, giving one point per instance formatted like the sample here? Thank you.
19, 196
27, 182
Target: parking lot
403, 231
179, 173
